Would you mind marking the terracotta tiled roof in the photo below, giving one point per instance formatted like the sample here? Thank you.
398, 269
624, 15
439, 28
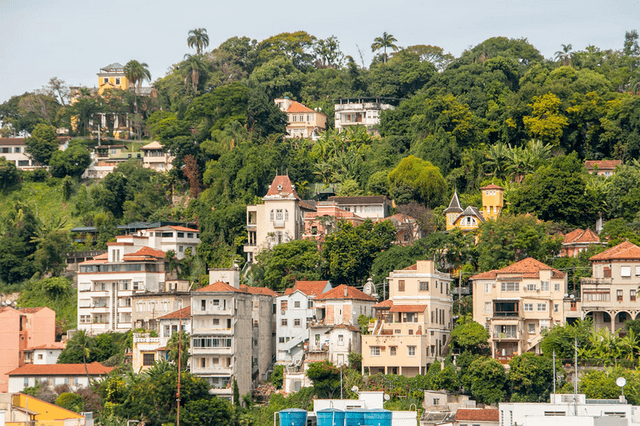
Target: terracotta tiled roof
384, 305
602, 164
54, 345
258, 290
219, 286
369, 199
402, 218
282, 186
348, 327
144, 252
95, 369
310, 288
492, 186
30, 310
623, 251
298, 107
20, 141
408, 308
180, 313
526, 268
478, 414
183, 228
339, 293
581, 236
103, 256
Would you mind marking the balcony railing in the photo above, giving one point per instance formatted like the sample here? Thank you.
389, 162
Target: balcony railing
506, 314
596, 281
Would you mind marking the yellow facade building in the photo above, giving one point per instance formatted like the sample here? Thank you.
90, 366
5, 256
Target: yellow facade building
112, 77
470, 218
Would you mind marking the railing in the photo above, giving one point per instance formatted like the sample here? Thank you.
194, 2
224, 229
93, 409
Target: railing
506, 314
596, 281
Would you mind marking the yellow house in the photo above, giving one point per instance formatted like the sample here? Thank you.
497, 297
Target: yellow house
20, 408
470, 218
112, 77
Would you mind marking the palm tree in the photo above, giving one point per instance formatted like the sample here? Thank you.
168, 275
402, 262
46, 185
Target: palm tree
564, 54
82, 342
387, 40
136, 72
199, 39
192, 67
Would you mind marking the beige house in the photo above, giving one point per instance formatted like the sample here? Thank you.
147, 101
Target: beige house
279, 219
304, 122
155, 158
610, 296
413, 327
516, 303
14, 150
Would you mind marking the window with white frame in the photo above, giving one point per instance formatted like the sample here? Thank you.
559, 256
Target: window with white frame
544, 286
487, 288
637, 271
509, 287
556, 287
340, 339
297, 322
531, 328
625, 271
487, 307
296, 304
542, 307
528, 307
556, 307
424, 285
411, 350
374, 351
532, 287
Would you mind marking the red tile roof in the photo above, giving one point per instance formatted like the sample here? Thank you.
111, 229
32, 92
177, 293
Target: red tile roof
258, 290
310, 288
30, 310
144, 252
348, 327
219, 286
478, 414
623, 251
526, 268
602, 164
180, 313
298, 107
286, 187
413, 267
95, 369
384, 305
54, 345
492, 186
408, 308
182, 228
581, 236
339, 293
103, 256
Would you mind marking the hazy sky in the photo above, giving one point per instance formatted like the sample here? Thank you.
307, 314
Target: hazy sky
73, 39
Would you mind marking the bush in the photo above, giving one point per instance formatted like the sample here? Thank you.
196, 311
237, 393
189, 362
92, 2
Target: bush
70, 401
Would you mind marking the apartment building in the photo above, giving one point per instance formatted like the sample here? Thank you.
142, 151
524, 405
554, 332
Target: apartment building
21, 331
279, 219
360, 112
412, 328
517, 303
335, 332
609, 297
232, 334
134, 264
156, 158
295, 310
304, 122
150, 306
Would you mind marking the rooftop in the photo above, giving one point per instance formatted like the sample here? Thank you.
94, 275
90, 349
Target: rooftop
94, 369
344, 291
623, 251
526, 268
180, 313
282, 187
310, 288
219, 286
478, 414
602, 164
367, 199
581, 236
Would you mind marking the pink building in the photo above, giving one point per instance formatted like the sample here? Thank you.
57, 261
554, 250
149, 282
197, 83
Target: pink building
579, 240
21, 329
323, 221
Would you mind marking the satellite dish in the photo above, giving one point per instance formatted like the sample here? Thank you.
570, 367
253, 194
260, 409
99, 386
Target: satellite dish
386, 397
354, 389
8, 302
621, 381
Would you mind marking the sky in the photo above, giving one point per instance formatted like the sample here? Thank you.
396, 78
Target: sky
73, 39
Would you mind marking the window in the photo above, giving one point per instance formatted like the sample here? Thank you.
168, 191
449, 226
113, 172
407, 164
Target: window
400, 285
556, 307
203, 362
284, 304
487, 307
26, 382
117, 80
532, 328
625, 271
284, 322
509, 286
216, 321
374, 351
532, 287
297, 322
340, 339
392, 350
424, 285
544, 286
619, 295
528, 307
556, 287
411, 350
271, 215
203, 305
597, 296
216, 302
180, 249
632, 295
147, 359
542, 307
296, 304
189, 234
279, 214
280, 339
487, 288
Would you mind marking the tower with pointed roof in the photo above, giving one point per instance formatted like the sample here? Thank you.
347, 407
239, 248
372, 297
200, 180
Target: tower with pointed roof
453, 211
470, 218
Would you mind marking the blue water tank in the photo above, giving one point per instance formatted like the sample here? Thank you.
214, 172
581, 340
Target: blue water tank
293, 417
354, 417
377, 417
330, 417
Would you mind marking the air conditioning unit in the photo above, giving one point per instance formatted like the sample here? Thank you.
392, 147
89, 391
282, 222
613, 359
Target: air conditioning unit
282, 312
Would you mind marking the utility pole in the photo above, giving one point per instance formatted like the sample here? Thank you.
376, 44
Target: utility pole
459, 288
179, 365
554, 374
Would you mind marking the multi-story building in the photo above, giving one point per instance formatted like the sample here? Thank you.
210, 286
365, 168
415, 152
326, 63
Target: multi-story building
374, 207
134, 264
579, 240
412, 328
224, 345
360, 112
322, 221
517, 303
470, 218
335, 331
294, 311
14, 150
609, 297
279, 219
156, 158
150, 306
304, 122
21, 330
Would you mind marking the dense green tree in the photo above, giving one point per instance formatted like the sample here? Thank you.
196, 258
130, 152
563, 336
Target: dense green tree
470, 336
296, 47
325, 378
419, 180
179, 342
488, 380
9, 174
560, 338
42, 143
530, 378
70, 401
207, 412
19, 226
56, 293
71, 162
263, 115
283, 265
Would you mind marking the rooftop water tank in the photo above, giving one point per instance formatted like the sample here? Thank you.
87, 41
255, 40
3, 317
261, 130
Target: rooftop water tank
330, 417
355, 417
293, 417
377, 417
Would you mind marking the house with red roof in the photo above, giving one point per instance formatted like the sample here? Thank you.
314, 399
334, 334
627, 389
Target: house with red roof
517, 303
335, 332
73, 375
294, 311
604, 168
133, 283
609, 296
412, 328
579, 240
304, 122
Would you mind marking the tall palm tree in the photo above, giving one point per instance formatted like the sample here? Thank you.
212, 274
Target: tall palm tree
199, 39
384, 42
137, 72
192, 67
564, 54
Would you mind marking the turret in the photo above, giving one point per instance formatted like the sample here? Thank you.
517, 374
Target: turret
492, 201
453, 211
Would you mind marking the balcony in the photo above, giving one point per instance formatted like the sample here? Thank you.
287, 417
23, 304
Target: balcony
596, 281
213, 370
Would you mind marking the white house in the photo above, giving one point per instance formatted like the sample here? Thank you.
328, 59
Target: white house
359, 111
73, 375
43, 354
